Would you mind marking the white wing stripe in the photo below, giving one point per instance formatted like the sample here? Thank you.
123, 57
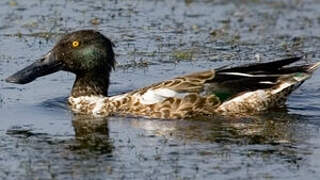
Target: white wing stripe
248, 75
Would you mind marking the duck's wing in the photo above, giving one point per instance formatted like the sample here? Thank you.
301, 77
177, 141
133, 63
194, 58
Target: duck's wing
272, 66
261, 76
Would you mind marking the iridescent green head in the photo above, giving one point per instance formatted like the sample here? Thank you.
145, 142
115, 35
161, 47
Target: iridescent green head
87, 53
84, 51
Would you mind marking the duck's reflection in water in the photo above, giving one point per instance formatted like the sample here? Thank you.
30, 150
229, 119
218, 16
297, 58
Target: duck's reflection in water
276, 128
91, 133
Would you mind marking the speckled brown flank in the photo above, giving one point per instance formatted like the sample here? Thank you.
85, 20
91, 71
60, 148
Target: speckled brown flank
171, 108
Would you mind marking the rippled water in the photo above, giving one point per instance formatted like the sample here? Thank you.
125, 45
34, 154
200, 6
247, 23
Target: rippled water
40, 138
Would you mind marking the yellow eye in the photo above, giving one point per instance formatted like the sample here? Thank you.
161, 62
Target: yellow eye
75, 43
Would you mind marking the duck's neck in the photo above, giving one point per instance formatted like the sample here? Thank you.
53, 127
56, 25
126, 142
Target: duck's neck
91, 84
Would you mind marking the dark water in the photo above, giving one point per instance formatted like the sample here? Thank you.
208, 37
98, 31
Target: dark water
40, 138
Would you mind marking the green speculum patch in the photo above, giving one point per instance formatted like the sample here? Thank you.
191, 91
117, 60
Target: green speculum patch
223, 96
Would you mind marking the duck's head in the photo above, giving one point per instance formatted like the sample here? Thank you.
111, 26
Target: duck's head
86, 53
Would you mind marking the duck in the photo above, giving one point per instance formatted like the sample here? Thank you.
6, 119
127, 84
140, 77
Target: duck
241, 90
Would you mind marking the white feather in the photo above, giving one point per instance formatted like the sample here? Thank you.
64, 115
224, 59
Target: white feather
158, 95
266, 82
248, 75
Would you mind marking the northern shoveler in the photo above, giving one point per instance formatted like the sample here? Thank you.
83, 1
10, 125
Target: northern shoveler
245, 89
